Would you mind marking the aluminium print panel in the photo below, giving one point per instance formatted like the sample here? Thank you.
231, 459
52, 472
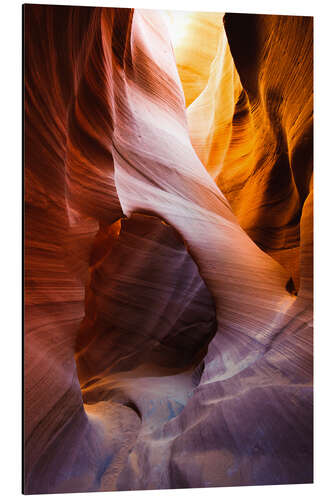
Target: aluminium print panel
168, 191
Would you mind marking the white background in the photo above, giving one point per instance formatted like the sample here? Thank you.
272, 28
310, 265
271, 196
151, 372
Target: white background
11, 251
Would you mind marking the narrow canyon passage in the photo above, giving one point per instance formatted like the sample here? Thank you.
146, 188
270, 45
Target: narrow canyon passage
168, 249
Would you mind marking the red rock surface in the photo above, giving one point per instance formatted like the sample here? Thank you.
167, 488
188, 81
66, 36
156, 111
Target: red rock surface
168, 251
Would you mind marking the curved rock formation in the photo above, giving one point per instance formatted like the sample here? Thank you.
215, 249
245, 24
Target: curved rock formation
145, 304
251, 125
168, 251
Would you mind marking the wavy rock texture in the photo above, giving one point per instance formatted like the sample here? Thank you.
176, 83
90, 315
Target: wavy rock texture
168, 250
252, 124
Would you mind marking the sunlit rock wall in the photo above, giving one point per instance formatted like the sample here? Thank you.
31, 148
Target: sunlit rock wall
251, 125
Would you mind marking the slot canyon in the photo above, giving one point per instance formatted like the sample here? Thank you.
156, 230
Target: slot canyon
168, 207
